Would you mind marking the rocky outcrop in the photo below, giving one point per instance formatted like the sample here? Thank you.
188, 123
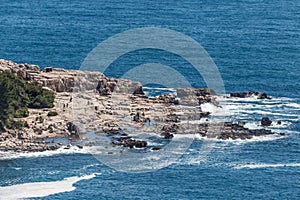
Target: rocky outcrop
52, 80
16, 140
196, 97
23, 70
91, 102
258, 95
130, 143
108, 86
238, 131
225, 131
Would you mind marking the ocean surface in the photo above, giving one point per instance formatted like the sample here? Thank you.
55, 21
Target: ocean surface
254, 43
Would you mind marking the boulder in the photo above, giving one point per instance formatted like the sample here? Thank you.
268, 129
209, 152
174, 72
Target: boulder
167, 135
73, 129
265, 121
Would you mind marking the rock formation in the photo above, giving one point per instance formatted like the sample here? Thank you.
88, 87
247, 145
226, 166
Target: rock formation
258, 95
91, 102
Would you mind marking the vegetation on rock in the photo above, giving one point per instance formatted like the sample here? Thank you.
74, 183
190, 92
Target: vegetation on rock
16, 96
52, 113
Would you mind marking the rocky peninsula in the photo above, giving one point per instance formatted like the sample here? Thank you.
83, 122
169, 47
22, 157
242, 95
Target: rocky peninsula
91, 102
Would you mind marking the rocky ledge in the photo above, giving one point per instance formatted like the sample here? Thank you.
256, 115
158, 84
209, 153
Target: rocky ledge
90, 102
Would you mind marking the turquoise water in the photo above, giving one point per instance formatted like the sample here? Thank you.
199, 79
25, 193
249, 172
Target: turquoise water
255, 45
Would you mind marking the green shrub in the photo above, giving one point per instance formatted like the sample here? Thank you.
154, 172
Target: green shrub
12, 124
16, 96
21, 112
52, 113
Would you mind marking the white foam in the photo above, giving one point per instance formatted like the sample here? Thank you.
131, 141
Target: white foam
293, 105
253, 139
274, 125
252, 125
240, 141
41, 189
215, 111
9, 155
265, 165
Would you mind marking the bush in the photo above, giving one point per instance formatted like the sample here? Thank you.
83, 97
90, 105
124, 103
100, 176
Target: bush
15, 124
21, 112
17, 95
52, 113
39, 98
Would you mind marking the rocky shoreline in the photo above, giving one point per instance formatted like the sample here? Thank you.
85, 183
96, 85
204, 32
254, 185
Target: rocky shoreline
91, 102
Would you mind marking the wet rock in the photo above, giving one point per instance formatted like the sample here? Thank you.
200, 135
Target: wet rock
167, 135
130, 143
265, 121
156, 149
73, 129
112, 131
259, 95
242, 94
262, 95
140, 144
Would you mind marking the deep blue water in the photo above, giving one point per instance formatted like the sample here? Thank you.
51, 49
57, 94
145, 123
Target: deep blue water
255, 45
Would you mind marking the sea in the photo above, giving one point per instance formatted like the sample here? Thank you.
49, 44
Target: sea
254, 44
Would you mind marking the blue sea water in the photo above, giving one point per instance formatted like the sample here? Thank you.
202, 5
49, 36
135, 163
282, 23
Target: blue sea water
254, 43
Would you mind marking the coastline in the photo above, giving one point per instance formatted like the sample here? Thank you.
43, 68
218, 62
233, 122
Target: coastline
90, 102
